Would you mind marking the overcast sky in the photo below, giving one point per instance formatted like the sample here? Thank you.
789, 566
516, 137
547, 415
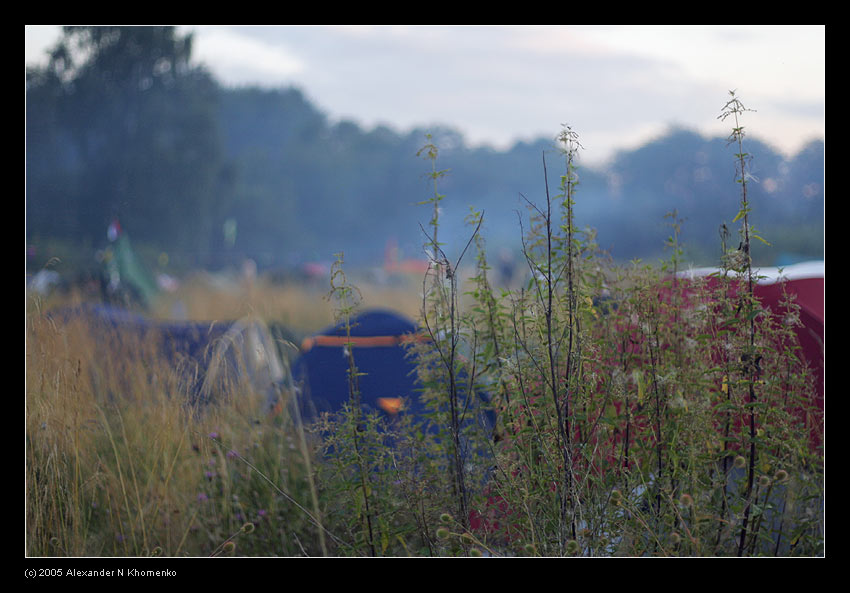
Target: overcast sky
617, 86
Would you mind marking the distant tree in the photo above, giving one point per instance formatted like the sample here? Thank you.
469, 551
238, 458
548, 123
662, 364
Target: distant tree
805, 184
120, 123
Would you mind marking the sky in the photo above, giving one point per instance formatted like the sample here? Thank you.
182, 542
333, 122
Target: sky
617, 86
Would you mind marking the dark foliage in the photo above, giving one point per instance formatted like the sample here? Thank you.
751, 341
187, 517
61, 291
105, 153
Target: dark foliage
120, 123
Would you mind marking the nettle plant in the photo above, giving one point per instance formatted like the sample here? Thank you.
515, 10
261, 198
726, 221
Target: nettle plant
648, 414
402, 487
632, 411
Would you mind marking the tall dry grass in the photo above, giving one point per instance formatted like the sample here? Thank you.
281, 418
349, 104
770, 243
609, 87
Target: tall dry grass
301, 307
118, 463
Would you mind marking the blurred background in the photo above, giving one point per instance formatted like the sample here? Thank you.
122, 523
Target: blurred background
265, 150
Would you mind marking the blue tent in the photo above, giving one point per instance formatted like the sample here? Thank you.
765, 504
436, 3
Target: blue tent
378, 343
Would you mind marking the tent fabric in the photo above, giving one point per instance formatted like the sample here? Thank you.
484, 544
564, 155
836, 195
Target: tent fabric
809, 296
806, 282
378, 343
126, 272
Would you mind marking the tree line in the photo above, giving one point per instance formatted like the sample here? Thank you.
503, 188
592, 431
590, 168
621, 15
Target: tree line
121, 124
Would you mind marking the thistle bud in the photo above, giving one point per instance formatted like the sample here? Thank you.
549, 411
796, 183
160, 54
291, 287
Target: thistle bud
616, 497
677, 539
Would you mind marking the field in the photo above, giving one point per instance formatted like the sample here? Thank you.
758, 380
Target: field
139, 474
637, 414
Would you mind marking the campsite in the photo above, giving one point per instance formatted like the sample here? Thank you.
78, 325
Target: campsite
248, 431
253, 332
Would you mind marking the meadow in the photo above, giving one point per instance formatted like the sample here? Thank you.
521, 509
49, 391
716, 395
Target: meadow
636, 415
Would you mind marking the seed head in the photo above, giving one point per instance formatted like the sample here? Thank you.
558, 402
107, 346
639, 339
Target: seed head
616, 497
248, 527
686, 500
443, 533
740, 462
573, 547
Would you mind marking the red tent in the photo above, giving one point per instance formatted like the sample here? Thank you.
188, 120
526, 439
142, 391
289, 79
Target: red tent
806, 282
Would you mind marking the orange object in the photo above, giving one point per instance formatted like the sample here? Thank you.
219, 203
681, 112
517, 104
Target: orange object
359, 341
391, 405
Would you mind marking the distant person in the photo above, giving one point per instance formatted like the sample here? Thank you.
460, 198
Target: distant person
113, 231
506, 264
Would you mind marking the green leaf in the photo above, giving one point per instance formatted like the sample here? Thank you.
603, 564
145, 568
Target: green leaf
760, 239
